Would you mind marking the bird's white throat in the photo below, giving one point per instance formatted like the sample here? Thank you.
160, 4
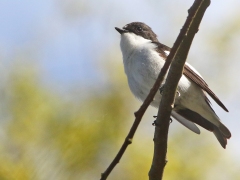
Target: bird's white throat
131, 42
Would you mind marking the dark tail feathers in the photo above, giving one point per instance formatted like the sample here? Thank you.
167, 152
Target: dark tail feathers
222, 133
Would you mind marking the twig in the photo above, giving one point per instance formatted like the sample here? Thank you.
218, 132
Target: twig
138, 117
144, 106
139, 114
182, 46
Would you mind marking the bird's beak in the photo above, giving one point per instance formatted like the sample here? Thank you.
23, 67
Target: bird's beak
121, 31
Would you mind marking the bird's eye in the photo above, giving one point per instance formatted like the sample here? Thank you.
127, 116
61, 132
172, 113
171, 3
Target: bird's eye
139, 29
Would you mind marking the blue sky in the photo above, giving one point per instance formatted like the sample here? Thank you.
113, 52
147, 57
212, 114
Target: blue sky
67, 40
63, 42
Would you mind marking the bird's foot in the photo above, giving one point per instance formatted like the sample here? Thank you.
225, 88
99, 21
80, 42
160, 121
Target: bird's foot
155, 121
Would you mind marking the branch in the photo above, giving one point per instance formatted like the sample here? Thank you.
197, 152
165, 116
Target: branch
181, 46
138, 117
139, 114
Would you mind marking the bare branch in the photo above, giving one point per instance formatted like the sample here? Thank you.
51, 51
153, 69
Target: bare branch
139, 114
181, 47
138, 117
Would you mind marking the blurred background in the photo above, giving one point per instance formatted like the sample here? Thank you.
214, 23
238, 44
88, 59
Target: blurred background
65, 106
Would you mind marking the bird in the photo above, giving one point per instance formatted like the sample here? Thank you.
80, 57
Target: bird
144, 56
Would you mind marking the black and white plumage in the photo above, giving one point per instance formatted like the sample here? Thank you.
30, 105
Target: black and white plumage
143, 58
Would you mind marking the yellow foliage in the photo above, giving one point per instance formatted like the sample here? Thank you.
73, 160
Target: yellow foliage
49, 138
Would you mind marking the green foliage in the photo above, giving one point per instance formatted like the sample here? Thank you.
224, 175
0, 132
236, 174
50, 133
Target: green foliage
69, 137
46, 137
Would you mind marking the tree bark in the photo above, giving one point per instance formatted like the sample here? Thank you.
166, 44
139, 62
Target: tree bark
179, 52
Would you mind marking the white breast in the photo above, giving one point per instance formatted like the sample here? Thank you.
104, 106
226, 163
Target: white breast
142, 63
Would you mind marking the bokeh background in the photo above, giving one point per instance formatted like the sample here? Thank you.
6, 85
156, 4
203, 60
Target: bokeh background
65, 106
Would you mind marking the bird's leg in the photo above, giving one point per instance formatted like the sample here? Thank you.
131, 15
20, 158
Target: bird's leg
155, 123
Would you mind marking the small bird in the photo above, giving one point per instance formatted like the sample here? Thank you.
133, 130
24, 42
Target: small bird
143, 58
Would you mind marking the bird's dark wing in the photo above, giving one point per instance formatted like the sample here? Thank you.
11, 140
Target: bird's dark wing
188, 72
191, 74
162, 49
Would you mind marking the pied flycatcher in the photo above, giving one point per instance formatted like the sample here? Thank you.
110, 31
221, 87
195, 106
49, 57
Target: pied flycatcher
143, 58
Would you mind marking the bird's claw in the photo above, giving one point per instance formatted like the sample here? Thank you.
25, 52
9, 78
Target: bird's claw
156, 124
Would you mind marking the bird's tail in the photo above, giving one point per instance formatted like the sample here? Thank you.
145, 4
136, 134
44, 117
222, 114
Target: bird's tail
224, 130
221, 132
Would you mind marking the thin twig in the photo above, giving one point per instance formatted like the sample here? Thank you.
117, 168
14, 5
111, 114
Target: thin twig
182, 46
139, 114
142, 109
138, 117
